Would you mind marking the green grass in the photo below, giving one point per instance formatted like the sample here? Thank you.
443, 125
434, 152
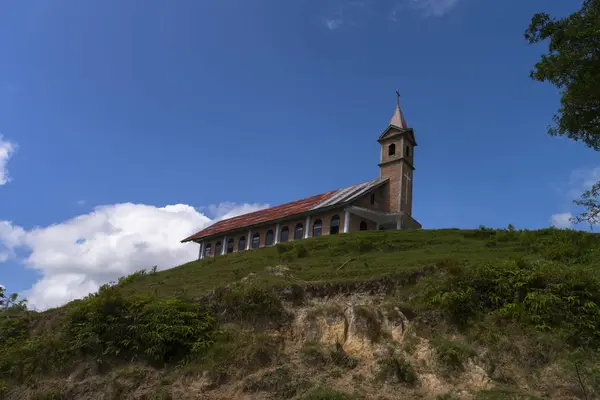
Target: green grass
546, 281
393, 253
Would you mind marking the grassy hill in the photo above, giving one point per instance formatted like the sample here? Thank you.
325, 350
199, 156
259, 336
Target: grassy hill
440, 314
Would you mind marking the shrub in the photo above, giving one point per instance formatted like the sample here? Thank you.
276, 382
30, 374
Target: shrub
452, 355
324, 393
143, 327
545, 294
396, 368
280, 381
373, 320
301, 250
339, 357
249, 305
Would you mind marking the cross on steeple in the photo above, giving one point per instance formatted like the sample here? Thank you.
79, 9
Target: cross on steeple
398, 97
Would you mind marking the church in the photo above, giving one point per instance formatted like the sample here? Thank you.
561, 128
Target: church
383, 203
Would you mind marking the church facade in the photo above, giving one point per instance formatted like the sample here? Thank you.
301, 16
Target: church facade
380, 204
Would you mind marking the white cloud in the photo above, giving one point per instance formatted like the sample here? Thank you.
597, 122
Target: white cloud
80, 202
434, 8
6, 151
332, 23
76, 256
579, 181
562, 220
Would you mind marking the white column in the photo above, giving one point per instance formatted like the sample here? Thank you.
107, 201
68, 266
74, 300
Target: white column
249, 239
346, 221
201, 251
399, 224
377, 226
277, 233
224, 248
307, 227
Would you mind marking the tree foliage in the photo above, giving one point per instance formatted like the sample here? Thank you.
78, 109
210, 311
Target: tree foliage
572, 64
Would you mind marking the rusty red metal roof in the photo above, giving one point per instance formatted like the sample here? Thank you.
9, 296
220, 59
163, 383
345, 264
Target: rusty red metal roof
329, 199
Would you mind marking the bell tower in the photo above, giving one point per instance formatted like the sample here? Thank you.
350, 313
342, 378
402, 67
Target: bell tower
396, 161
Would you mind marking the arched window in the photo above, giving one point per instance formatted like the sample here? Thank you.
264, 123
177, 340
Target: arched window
242, 243
391, 149
317, 227
218, 249
269, 238
285, 234
334, 227
207, 250
230, 243
256, 240
298, 231
363, 226
407, 151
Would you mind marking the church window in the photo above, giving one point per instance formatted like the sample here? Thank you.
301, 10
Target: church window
285, 234
407, 151
242, 243
372, 198
317, 227
218, 248
334, 227
230, 243
363, 226
391, 149
256, 240
269, 238
207, 250
298, 231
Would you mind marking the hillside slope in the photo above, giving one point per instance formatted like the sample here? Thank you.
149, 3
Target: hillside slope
446, 314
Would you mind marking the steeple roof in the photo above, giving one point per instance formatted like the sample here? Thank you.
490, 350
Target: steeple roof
398, 118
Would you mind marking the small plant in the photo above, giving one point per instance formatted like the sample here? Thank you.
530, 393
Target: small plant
452, 355
301, 250
324, 393
279, 381
373, 319
365, 245
313, 355
339, 357
397, 369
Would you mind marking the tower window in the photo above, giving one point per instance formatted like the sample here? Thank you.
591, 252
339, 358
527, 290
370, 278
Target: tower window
334, 227
298, 231
256, 240
242, 243
363, 226
391, 149
285, 234
317, 227
372, 198
407, 151
269, 238
230, 243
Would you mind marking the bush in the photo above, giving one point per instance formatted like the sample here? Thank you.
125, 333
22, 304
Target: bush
545, 294
248, 305
139, 327
327, 394
452, 355
373, 319
396, 368
301, 250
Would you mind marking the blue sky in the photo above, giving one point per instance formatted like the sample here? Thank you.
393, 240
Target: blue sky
131, 123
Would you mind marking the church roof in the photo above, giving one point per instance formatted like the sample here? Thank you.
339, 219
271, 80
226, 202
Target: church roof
398, 119
303, 206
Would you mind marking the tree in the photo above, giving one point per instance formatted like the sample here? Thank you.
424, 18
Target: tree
11, 302
572, 64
